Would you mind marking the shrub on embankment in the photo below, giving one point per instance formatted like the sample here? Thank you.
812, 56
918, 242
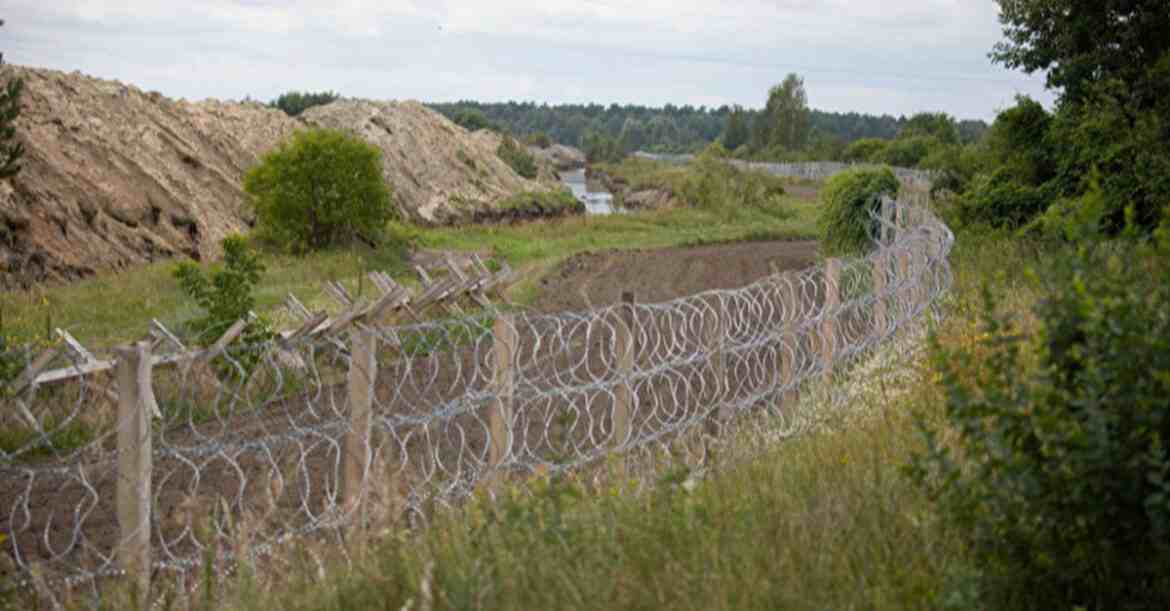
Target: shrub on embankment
708, 183
321, 188
850, 202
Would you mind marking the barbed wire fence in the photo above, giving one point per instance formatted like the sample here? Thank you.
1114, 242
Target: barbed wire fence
153, 465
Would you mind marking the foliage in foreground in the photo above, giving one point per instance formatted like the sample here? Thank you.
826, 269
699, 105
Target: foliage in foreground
1060, 476
850, 204
319, 189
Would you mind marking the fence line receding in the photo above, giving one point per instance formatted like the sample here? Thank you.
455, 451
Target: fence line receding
241, 448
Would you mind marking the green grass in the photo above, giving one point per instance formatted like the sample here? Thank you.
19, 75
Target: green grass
826, 521
117, 307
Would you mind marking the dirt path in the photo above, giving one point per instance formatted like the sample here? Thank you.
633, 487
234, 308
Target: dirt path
659, 275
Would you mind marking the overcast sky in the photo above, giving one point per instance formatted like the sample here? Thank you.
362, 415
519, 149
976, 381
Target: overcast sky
888, 56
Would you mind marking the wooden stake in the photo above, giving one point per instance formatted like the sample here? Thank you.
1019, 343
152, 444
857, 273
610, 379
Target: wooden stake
363, 372
134, 462
503, 383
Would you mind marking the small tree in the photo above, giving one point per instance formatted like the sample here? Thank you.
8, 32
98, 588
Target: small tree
10, 152
225, 294
319, 189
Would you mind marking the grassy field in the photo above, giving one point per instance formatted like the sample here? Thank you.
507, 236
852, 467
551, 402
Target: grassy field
827, 521
116, 307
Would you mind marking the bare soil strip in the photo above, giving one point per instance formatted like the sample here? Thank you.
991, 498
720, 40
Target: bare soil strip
598, 279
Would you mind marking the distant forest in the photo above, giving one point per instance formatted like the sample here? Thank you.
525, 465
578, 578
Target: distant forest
669, 129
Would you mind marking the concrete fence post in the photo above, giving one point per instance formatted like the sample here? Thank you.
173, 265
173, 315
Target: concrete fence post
363, 373
135, 407
504, 348
829, 322
623, 400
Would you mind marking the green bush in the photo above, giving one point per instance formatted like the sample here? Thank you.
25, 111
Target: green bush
225, 294
865, 150
1059, 479
319, 189
713, 184
999, 200
517, 157
849, 201
907, 152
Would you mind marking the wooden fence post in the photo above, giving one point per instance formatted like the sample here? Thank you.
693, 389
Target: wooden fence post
623, 399
829, 323
503, 387
135, 400
363, 373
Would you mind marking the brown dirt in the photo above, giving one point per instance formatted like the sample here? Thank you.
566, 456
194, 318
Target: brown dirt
114, 176
660, 275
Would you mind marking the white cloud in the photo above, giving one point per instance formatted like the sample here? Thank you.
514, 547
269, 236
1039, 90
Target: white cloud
896, 56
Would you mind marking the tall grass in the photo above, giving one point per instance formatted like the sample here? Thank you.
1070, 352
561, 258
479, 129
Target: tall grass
827, 521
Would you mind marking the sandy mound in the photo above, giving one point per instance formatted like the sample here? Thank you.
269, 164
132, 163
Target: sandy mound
114, 176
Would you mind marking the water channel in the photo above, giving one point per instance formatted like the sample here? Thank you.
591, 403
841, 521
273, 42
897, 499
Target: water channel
596, 199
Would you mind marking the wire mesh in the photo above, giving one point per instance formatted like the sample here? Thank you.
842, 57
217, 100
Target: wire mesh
266, 443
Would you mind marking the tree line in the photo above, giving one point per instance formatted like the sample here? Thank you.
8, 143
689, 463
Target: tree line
679, 129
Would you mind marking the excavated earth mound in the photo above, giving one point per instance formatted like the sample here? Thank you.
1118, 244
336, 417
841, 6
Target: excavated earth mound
114, 176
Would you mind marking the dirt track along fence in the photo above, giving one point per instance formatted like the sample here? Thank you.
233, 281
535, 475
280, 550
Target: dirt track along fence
152, 466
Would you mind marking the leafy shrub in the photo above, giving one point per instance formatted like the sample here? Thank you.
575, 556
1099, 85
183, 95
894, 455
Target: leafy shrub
907, 152
713, 184
294, 103
849, 201
516, 157
999, 200
225, 294
1059, 479
319, 189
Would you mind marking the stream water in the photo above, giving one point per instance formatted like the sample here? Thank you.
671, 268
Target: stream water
596, 200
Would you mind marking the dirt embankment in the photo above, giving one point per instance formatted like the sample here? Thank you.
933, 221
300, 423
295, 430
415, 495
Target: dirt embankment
598, 279
114, 176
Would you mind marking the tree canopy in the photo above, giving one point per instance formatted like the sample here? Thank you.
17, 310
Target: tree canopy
1084, 44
